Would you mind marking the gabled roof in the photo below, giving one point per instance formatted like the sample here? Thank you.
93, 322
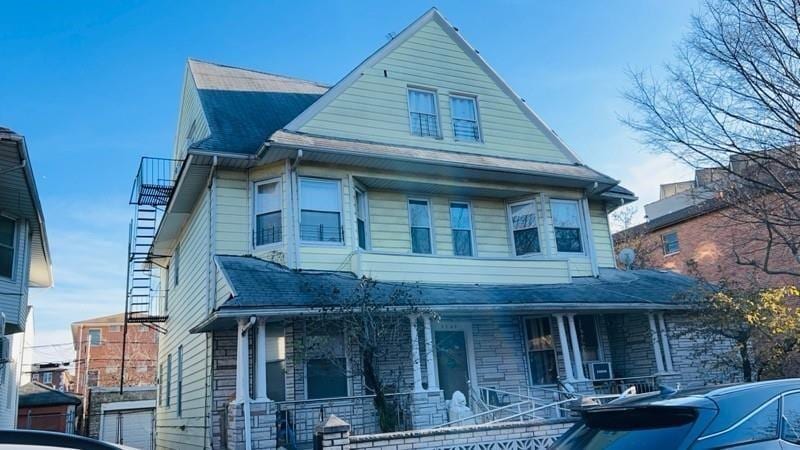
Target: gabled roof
38, 394
262, 285
113, 319
243, 107
432, 15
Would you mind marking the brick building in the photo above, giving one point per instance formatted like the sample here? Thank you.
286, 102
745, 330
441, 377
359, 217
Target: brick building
54, 374
98, 350
42, 407
691, 231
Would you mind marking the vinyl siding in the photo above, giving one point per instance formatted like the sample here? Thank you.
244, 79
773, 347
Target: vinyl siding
375, 107
191, 112
14, 291
601, 234
188, 306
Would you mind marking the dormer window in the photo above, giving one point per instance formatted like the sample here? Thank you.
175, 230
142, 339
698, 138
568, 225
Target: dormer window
423, 113
464, 112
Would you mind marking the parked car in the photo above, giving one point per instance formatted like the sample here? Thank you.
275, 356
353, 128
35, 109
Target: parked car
764, 415
44, 440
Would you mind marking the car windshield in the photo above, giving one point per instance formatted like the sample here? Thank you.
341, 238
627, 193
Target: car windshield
629, 428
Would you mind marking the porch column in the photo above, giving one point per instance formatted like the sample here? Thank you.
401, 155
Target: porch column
562, 337
656, 346
665, 342
430, 364
242, 363
415, 361
576, 349
261, 362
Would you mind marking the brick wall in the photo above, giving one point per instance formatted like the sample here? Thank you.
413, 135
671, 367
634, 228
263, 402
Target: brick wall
100, 396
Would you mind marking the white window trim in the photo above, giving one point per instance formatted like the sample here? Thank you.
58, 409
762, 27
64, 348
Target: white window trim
45, 376
473, 238
338, 182
430, 225
254, 214
664, 247
435, 94
367, 236
581, 222
510, 220
527, 351
179, 383
14, 247
474, 99
175, 265
465, 327
89, 336
347, 370
168, 393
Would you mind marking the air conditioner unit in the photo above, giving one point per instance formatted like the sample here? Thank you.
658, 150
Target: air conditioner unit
5, 349
600, 370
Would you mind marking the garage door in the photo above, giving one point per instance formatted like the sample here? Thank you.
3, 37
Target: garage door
132, 428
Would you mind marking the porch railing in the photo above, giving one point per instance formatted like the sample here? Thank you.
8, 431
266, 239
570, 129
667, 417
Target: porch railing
616, 386
296, 420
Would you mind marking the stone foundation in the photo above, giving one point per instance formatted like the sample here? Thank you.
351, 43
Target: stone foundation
428, 409
263, 432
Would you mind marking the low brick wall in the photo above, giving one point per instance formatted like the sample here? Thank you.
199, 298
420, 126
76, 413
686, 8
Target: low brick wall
529, 435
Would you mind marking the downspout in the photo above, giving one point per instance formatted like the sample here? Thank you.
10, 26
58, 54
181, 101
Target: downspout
212, 282
294, 207
589, 233
246, 406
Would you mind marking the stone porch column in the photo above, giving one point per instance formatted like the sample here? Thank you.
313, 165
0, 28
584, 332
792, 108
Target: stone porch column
242, 362
415, 361
562, 337
430, 364
261, 362
665, 342
576, 349
656, 345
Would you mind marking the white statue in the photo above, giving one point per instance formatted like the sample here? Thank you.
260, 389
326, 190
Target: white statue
458, 410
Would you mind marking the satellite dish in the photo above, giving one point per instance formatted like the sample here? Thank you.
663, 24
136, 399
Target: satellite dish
626, 256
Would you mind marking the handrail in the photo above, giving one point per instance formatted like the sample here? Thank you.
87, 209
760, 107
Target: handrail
474, 416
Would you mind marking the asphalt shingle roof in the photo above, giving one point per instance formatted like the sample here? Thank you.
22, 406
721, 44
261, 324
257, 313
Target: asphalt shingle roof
37, 394
263, 284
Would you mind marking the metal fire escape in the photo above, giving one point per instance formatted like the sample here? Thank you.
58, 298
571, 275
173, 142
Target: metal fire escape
151, 192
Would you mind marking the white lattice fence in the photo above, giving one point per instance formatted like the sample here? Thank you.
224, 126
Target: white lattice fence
537, 443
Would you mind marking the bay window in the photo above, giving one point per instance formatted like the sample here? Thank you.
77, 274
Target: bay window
267, 209
464, 113
419, 216
567, 224
525, 228
461, 225
320, 210
423, 113
7, 234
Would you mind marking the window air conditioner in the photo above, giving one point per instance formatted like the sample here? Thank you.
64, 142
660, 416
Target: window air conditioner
600, 370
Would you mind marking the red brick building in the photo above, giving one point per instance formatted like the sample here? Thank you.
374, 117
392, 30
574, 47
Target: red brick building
54, 374
690, 231
42, 407
98, 354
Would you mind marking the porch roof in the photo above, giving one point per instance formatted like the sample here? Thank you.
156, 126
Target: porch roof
264, 288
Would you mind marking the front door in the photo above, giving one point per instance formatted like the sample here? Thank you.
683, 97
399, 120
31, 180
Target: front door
452, 362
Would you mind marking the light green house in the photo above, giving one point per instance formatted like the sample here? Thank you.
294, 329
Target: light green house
420, 168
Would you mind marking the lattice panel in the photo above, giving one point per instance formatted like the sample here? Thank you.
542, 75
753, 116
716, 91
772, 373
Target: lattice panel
536, 443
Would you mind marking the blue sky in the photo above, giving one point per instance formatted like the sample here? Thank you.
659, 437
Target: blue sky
95, 85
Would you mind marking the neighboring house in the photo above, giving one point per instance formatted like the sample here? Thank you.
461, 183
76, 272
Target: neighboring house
420, 166
55, 375
41, 407
691, 230
98, 349
24, 262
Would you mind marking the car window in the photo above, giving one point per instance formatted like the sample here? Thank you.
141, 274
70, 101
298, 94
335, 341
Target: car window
790, 428
762, 425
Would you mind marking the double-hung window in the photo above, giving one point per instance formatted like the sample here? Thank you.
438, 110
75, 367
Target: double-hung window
175, 265
276, 362
169, 379
525, 228
94, 337
7, 234
47, 378
362, 218
161, 384
179, 384
670, 243
423, 113
464, 112
320, 210
326, 369
567, 224
461, 225
419, 216
541, 351
267, 208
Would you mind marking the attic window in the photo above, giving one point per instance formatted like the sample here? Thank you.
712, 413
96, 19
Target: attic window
464, 112
423, 113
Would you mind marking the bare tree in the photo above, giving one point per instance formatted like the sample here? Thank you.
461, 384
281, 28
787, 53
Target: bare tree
374, 320
730, 103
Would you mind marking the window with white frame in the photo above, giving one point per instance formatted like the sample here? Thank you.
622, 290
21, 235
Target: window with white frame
464, 113
179, 384
568, 225
326, 368
161, 384
267, 210
461, 227
47, 377
320, 210
419, 217
524, 227
168, 380
362, 218
175, 265
7, 237
541, 351
670, 243
276, 362
95, 337
423, 113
